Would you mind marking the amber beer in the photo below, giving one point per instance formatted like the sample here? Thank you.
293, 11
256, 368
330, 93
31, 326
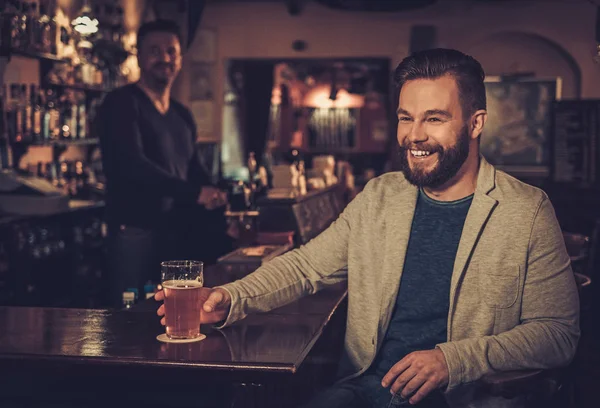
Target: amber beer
182, 308
182, 284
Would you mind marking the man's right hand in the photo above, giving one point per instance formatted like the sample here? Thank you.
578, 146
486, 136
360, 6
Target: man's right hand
215, 309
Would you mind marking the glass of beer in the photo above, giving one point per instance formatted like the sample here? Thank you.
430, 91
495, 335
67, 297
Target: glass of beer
182, 283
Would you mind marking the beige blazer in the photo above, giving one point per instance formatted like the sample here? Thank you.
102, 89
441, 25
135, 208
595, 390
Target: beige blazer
513, 299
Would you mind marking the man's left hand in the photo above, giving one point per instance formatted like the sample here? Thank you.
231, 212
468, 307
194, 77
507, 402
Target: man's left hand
418, 373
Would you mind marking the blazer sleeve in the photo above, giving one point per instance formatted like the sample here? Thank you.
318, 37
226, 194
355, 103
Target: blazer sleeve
303, 271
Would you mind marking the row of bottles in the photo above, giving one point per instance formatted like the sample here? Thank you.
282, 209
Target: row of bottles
74, 177
35, 115
110, 22
27, 27
6, 155
131, 296
90, 72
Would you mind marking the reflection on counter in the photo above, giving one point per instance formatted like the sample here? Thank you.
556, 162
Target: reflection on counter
56, 259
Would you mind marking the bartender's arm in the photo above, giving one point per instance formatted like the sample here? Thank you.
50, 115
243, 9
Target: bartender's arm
122, 142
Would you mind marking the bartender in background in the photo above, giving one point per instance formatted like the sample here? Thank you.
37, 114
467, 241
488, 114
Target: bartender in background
160, 201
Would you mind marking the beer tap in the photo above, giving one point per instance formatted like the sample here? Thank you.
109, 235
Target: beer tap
252, 175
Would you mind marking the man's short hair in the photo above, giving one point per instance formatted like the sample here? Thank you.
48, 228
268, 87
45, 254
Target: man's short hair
437, 62
158, 26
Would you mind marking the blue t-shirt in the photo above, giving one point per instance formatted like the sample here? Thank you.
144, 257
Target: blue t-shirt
419, 319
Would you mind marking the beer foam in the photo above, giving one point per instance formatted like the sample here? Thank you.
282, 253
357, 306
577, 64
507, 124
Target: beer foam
182, 284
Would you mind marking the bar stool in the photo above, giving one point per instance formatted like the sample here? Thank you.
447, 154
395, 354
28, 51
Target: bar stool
578, 249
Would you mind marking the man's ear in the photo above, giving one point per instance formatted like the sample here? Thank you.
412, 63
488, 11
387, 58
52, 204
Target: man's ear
477, 123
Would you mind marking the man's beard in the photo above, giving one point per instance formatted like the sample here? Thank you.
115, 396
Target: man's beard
450, 160
161, 79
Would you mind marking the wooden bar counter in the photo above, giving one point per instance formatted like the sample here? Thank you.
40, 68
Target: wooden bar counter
82, 357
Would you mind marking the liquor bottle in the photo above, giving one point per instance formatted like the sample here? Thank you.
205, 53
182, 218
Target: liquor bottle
15, 30
6, 15
118, 32
52, 174
6, 155
6, 162
13, 115
301, 178
82, 122
45, 39
31, 38
26, 113
6, 255
80, 181
72, 115
36, 114
128, 299
106, 24
150, 290
66, 129
41, 170
63, 177
48, 26
50, 117
22, 27
3, 124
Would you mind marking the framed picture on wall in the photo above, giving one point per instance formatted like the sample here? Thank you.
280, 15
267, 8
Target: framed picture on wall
203, 113
202, 82
576, 150
517, 135
204, 46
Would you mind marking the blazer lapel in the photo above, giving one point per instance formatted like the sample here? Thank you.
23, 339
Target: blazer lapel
400, 211
480, 211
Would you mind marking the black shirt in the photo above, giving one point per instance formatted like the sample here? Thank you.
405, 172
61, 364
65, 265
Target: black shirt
149, 158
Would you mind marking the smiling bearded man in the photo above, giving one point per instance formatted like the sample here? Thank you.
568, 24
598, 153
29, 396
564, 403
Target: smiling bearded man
455, 269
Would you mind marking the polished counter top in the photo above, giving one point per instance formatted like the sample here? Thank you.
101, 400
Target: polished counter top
273, 342
74, 206
298, 198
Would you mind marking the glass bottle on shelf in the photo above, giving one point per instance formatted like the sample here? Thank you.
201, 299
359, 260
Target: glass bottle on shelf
36, 114
301, 178
23, 42
82, 122
68, 115
13, 19
27, 113
79, 178
43, 26
98, 77
6, 156
63, 175
6, 162
55, 118
13, 113
50, 118
52, 174
7, 13
3, 127
118, 32
106, 25
50, 26
41, 170
31, 27
16, 25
